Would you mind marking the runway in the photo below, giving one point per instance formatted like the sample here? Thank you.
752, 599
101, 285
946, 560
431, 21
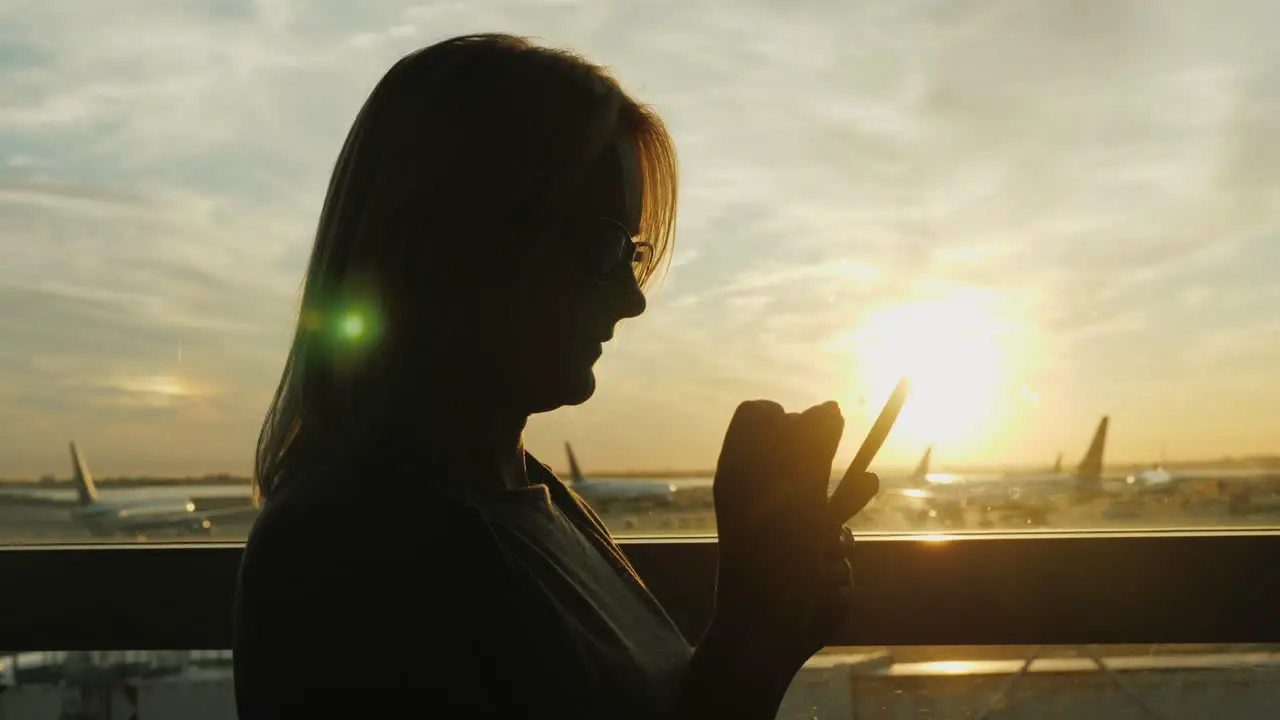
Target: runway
35, 521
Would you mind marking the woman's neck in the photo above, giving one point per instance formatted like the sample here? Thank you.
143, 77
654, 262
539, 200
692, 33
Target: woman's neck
486, 447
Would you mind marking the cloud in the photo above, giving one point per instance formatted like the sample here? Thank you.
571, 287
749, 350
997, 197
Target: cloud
1108, 170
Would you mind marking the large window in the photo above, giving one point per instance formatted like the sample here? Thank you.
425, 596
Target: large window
1046, 215
1061, 220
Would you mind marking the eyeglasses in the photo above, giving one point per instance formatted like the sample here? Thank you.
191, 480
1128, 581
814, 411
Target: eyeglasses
604, 245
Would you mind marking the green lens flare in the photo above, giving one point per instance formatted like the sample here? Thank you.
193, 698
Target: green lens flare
345, 327
353, 326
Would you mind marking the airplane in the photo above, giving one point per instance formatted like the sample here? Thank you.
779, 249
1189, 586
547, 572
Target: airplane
1156, 480
1160, 478
921, 474
1029, 494
603, 494
133, 518
926, 494
1245, 489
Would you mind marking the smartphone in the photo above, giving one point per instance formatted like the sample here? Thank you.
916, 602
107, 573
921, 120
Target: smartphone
851, 495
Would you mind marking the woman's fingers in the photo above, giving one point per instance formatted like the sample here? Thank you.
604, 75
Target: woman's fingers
823, 426
754, 428
746, 470
801, 489
750, 416
818, 431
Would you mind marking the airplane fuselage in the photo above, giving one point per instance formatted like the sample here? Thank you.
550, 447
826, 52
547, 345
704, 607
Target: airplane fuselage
998, 490
1155, 480
597, 491
107, 518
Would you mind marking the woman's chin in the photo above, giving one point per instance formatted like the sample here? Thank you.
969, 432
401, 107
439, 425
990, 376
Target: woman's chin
580, 387
569, 389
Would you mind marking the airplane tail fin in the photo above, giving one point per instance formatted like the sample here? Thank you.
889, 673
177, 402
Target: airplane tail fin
575, 473
1091, 466
86, 491
1057, 464
921, 473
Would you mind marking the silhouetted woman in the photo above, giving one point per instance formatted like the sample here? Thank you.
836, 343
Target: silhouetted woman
494, 213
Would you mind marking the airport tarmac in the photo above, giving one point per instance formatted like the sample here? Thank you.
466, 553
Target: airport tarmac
23, 523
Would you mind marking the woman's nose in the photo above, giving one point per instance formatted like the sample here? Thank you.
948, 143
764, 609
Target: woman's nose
633, 301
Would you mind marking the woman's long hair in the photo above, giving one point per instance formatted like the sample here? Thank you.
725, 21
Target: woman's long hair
458, 145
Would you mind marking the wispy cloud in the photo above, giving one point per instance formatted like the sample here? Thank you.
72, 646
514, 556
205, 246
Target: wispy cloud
1108, 170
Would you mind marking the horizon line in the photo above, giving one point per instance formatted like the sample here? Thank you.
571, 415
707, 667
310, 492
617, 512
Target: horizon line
1250, 460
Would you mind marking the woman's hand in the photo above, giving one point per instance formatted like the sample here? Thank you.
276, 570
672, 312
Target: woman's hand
783, 579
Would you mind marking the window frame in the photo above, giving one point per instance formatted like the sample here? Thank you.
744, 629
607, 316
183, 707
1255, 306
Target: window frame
981, 589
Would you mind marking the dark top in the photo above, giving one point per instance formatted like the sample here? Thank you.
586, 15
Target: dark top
517, 604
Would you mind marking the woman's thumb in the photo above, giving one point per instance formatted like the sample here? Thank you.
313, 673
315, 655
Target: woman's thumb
851, 495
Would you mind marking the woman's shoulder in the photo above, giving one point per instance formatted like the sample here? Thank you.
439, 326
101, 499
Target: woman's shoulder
327, 577
320, 533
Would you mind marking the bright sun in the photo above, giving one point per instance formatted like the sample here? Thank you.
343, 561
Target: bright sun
956, 354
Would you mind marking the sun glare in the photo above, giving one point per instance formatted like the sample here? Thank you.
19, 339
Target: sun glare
151, 390
956, 353
161, 385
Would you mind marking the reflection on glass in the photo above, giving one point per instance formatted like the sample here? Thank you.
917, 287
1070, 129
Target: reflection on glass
1106, 682
107, 685
1223, 682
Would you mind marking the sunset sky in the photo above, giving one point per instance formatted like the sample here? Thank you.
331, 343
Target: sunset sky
1044, 211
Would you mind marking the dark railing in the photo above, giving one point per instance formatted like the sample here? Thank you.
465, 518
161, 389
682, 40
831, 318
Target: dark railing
1096, 588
